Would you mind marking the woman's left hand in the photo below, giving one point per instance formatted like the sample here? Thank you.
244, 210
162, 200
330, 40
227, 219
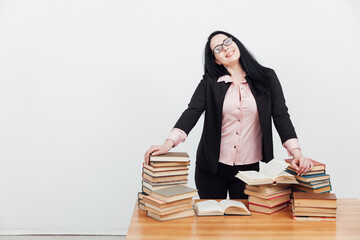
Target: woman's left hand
300, 163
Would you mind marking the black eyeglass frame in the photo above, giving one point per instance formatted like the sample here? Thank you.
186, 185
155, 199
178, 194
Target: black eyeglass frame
221, 45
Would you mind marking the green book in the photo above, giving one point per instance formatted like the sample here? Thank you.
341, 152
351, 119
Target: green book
174, 193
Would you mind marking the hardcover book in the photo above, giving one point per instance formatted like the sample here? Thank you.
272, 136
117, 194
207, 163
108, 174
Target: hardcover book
268, 196
174, 193
161, 169
311, 178
323, 189
171, 216
272, 202
272, 172
322, 200
157, 203
267, 188
318, 166
170, 164
313, 218
168, 210
224, 207
267, 210
165, 173
170, 157
155, 186
316, 184
164, 178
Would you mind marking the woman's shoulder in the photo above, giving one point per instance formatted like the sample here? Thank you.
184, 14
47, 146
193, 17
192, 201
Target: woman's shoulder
271, 75
208, 79
269, 72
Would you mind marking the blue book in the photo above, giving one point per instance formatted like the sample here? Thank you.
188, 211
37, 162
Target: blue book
312, 178
322, 189
313, 183
310, 192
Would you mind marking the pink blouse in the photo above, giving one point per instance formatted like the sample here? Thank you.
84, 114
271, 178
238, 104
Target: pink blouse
241, 136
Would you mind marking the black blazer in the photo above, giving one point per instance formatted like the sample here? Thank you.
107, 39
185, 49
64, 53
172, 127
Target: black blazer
209, 97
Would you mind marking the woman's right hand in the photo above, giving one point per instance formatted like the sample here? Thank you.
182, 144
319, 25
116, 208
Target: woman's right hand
158, 149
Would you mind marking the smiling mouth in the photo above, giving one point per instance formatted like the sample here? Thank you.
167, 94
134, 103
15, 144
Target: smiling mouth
230, 53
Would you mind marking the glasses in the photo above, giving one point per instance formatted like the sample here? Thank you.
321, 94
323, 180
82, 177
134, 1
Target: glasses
227, 42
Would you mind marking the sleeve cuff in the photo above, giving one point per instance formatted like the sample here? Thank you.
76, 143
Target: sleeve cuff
291, 144
177, 135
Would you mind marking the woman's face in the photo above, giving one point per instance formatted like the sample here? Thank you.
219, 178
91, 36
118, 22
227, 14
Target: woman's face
229, 54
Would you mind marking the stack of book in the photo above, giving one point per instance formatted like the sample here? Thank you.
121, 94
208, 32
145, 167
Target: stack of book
314, 206
268, 198
268, 189
170, 203
164, 171
315, 181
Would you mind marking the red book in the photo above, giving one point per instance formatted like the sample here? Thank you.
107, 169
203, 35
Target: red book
317, 165
267, 206
271, 202
265, 209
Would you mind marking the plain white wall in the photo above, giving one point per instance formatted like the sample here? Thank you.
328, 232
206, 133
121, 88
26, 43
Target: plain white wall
87, 86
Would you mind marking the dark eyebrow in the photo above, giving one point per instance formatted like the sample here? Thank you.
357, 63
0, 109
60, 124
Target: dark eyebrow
222, 42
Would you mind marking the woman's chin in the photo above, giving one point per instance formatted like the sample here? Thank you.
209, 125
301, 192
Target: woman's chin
231, 62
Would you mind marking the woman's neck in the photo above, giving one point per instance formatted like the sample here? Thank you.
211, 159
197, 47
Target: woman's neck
236, 71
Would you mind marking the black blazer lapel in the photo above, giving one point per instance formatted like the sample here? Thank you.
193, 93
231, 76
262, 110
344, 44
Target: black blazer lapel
221, 89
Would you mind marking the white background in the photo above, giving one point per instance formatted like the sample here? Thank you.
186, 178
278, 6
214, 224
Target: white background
87, 86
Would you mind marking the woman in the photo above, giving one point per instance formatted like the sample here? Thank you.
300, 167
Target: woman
239, 97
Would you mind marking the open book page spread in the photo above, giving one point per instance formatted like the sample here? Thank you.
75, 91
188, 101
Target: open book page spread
227, 203
209, 206
273, 168
254, 175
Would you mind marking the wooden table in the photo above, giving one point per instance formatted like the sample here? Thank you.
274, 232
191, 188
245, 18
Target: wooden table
279, 225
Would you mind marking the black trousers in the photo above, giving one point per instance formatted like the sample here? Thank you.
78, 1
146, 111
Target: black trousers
216, 186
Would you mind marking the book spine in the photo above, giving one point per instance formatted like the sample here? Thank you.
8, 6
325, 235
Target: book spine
146, 190
142, 193
267, 206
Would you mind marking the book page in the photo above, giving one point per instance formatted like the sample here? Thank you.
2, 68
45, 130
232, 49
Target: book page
227, 203
209, 206
273, 168
253, 175
233, 207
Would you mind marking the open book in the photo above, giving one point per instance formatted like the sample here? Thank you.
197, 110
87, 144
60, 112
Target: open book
272, 173
224, 207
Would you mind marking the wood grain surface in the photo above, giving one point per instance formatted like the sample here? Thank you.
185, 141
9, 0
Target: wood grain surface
279, 225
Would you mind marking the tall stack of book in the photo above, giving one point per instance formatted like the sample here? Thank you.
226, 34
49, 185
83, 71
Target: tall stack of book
268, 189
314, 206
268, 198
164, 171
315, 181
170, 203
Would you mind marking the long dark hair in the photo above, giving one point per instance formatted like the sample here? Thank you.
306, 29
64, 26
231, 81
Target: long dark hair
258, 74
